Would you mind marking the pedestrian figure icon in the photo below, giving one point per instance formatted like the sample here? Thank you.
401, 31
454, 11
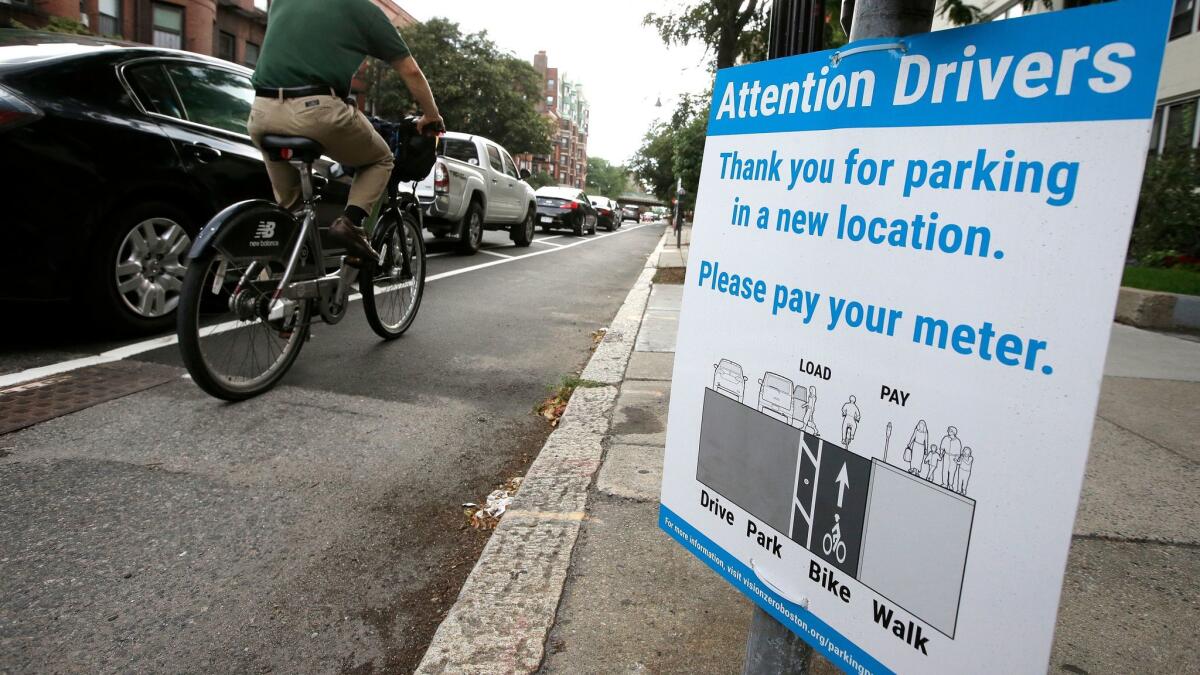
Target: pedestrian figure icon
917, 448
951, 448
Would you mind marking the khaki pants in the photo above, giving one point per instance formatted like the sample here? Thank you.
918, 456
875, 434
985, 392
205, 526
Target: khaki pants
344, 132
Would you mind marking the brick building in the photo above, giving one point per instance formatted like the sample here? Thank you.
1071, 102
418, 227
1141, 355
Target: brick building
565, 105
229, 29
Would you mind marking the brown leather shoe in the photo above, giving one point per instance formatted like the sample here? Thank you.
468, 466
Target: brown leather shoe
354, 239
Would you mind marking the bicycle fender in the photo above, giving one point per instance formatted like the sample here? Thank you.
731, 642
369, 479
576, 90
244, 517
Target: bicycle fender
255, 228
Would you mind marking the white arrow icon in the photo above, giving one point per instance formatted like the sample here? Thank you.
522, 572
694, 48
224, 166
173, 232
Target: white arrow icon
843, 482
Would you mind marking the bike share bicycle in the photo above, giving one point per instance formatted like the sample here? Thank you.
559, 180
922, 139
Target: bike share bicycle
257, 274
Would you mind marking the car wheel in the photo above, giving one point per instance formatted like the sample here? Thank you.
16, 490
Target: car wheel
522, 233
136, 274
577, 227
471, 233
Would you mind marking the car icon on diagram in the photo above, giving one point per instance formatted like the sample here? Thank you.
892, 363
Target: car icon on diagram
728, 379
775, 396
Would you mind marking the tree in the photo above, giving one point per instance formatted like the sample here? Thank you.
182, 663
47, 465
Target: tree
605, 178
479, 88
673, 151
728, 28
540, 179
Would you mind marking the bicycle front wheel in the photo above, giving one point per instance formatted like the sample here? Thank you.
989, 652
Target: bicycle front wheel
392, 296
232, 343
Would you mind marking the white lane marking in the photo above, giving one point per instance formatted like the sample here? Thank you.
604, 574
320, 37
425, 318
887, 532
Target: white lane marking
438, 255
144, 346
495, 253
543, 241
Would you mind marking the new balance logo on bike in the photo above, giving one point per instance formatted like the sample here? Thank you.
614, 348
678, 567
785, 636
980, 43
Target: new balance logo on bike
266, 230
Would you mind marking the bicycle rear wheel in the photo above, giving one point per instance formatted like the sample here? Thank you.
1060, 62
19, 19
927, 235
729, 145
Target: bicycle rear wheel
392, 296
232, 346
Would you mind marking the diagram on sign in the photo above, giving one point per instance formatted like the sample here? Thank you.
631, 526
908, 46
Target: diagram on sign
903, 532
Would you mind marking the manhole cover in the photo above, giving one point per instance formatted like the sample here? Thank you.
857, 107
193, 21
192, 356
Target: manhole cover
29, 403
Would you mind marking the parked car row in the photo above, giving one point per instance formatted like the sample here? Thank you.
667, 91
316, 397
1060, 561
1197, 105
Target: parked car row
120, 153
116, 156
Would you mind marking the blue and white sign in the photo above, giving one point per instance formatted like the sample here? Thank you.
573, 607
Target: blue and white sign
897, 306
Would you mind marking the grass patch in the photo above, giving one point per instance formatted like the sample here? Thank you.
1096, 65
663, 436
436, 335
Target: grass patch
553, 407
670, 275
1173, 280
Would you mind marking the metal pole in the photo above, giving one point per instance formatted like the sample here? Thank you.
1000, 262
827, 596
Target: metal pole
797, 27
772, 649
886, 18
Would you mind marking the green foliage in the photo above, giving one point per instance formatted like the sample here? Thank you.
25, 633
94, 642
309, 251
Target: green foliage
674, 150
728, 28
479, 88
1168, 213
541, 179
605, 178
1175, 280
58, 24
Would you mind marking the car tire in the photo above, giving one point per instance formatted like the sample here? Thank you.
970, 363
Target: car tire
577, 227
522, 233
142, 248
612, 226
470, 233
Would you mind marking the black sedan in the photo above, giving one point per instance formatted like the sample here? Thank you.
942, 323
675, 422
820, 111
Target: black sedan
114, 157
565, 208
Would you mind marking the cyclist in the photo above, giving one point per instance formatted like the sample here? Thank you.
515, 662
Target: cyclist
309, 56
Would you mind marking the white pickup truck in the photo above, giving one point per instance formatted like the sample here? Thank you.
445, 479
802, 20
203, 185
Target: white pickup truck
474, 186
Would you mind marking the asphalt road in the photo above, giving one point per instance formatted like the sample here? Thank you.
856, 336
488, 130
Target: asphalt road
316, 528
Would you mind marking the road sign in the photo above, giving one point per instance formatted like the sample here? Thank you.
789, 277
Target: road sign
898, 300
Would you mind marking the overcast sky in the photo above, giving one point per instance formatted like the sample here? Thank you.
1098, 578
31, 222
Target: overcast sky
623, 66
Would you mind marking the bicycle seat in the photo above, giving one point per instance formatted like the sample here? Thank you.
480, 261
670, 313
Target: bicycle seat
291, 148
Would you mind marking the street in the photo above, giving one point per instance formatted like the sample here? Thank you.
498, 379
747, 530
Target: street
317, 527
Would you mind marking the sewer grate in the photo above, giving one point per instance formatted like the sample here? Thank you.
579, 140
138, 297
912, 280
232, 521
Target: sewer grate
23, 405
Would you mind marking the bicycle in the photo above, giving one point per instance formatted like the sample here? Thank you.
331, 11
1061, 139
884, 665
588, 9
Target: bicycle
265, 272
832, 541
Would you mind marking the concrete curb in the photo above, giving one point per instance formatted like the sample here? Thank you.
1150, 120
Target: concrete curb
1152, 309
506, 608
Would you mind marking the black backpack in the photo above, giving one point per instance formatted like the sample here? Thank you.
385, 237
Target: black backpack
414, 153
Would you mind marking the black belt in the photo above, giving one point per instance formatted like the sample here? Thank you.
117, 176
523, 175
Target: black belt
299, 92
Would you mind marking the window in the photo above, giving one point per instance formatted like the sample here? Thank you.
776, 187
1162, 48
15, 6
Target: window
1175, 127
153, 90
263, 5
1011, 12
550, 83
168, 26
462, 150
109, 18
214, 97
251, 54
509, 169
494, 158
1183, 20
549, 100
226, 46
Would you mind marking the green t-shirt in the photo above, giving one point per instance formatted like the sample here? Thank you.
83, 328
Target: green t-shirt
323, 42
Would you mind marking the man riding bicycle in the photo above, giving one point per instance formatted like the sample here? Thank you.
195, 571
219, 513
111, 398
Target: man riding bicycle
310, 54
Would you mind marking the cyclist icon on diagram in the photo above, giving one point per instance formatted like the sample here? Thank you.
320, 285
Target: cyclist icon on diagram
832, 542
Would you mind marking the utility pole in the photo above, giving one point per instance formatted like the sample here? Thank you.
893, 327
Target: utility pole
798, 27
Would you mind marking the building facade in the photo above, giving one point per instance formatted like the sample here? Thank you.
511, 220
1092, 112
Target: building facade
229, 29
564, 104
1177, 116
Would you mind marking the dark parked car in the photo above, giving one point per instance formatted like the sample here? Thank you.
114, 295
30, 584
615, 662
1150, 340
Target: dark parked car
565, 208
608, 214
630, 212
114, 156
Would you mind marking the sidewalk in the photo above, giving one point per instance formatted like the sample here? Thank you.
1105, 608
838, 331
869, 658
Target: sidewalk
634, 601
